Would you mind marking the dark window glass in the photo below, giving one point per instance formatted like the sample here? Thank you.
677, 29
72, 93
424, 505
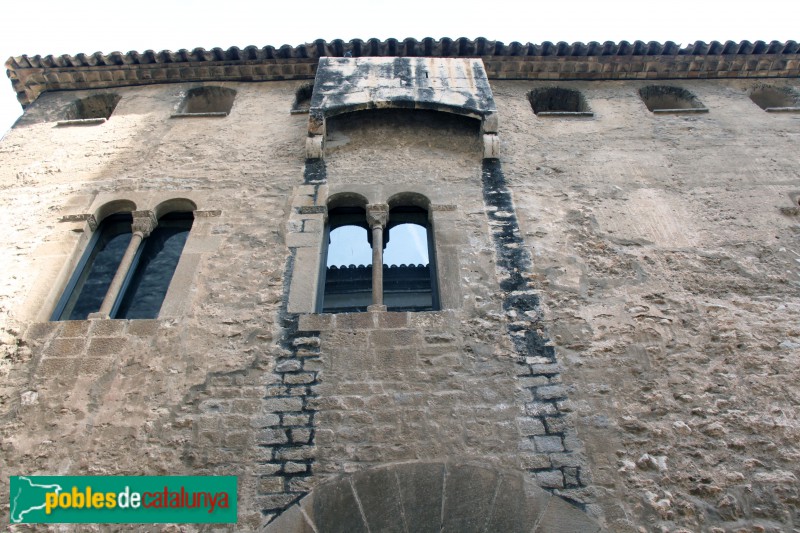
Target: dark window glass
87, 288
158, 258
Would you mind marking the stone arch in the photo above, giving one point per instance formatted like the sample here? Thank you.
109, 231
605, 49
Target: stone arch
558, 101
207, 100
346, 199
432, 496
115, 206
409, 198
771, 98
95, 107
668, 99
173, 205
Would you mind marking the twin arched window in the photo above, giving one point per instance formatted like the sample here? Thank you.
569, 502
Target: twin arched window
378, 255
127, 267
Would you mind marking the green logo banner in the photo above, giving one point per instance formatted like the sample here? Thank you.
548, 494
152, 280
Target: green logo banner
123, 499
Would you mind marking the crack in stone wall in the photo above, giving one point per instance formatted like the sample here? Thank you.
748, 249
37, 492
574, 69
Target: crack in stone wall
550, 448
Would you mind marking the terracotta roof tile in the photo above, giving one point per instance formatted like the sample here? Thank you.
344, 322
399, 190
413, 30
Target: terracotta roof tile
21, 69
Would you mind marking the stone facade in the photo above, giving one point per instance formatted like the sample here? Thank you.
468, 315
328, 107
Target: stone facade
616, 343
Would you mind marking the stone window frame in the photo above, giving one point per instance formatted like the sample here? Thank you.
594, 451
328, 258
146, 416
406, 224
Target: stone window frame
146, 209
377, 219
305, 234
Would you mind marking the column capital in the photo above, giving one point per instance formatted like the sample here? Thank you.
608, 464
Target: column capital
144, 222
377, 215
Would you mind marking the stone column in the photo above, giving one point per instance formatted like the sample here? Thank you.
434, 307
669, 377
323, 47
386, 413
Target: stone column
144, 222
377, 217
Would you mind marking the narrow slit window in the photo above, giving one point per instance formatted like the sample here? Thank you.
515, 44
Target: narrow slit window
157, 260
88, 286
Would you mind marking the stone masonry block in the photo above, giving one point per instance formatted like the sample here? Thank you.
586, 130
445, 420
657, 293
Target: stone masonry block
300, 453
105, 346
355, 321
550, 479
560, 460
300, 436
556, 424
535, 461
571, 476
531, 426
316, 322
290, 365
540, 409
295, 468
551, 392
74, 328
283, 404
547, 444
64, 348
108, 328
269, 484
296, 420
54, 367
391, 320
299, 378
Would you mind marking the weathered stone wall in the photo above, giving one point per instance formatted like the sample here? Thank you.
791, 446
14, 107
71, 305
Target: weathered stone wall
663, 252
668, 270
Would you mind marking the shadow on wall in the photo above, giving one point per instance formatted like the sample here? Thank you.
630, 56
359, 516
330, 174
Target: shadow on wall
432, 497
390, 128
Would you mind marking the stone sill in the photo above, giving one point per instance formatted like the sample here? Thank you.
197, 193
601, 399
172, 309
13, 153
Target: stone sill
565, 114
369, 320
81, 122
782, 110
299, 111
680, 111
188, 115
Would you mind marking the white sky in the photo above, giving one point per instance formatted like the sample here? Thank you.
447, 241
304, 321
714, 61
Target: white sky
63, 27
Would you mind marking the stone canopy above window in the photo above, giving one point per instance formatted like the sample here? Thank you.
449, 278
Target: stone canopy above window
450, 85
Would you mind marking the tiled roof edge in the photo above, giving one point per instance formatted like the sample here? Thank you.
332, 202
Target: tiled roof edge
427, 47
32, 75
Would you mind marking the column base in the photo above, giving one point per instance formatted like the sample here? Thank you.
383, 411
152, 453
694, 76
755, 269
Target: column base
375, 307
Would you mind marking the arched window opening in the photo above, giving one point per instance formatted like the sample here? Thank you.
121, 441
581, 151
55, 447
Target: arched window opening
128, 265
663, 99
157, 259
408, 273
348, 265
548, 101
774, 99
87, 288
94, 109
378, 257
207, 101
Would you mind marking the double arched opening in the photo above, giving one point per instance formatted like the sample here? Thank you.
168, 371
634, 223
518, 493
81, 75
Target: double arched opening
378, 255
128, 264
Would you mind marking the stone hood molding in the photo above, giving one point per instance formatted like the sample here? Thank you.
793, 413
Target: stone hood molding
450, 85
